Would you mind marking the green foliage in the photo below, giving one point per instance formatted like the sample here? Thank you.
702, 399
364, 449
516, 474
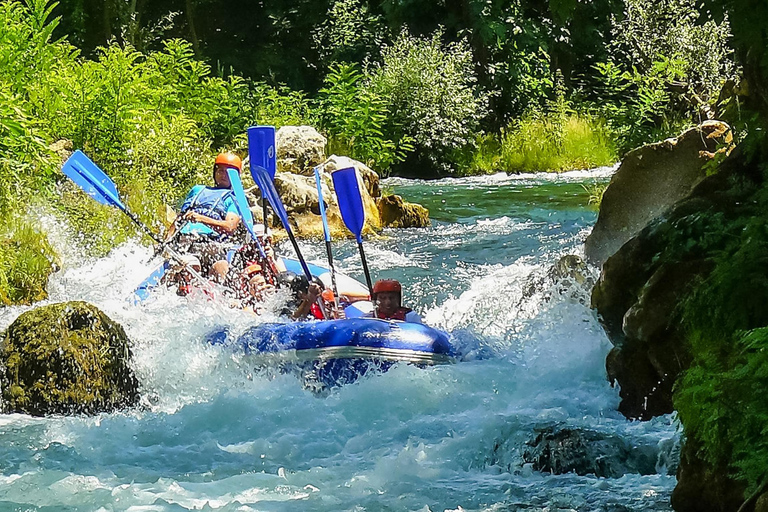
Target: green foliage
664, 72
595, 191
540, 143
354, 118
151, 121
26, 262
430, 93
673, 29
720, 399
349, 33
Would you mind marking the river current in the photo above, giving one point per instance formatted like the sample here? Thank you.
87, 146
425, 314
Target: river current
214, 434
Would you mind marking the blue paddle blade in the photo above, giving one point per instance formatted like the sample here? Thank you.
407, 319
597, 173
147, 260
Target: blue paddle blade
240, 201
322, 205
262, 149
350, 200
267, 187
87, 175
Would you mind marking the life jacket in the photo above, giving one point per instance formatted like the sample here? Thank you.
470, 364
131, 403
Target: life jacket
316, 312
209, 202
399, 314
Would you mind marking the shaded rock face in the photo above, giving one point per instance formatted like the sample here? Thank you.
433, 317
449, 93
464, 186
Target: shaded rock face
702, 488
648, 182
396, 213
639, 291
299, 149
66, 358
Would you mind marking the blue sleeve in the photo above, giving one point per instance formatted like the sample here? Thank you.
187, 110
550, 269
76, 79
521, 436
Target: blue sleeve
231, 206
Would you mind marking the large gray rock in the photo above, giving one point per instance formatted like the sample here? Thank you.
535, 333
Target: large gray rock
641, 286
66, 358
299, 149
648, 182
370, 178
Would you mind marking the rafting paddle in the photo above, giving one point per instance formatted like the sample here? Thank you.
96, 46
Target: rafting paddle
327, 233
242, 206
352, 210
87, 175
263, 180
262, 152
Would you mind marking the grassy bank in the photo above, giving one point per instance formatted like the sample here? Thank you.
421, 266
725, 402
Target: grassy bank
540, 142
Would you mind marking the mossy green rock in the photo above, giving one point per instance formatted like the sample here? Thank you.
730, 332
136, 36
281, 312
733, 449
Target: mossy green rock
66, 358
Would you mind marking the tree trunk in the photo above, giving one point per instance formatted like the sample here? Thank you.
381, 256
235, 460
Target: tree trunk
191, 23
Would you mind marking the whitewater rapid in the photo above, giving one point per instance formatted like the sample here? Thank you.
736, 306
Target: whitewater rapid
212, 433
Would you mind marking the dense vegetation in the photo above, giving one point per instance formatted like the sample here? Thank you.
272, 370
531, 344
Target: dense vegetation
151, 90
721, 398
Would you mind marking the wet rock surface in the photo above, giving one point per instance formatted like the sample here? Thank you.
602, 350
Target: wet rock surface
641, 285
66, 358
396, 213
560, 449
650, 180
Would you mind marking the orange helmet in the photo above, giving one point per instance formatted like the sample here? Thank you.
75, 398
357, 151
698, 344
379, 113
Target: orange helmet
387, 285
229, 160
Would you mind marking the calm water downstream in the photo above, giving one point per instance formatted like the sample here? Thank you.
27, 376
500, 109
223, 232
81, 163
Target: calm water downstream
215, 435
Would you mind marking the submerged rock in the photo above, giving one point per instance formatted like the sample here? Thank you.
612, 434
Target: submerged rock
66, 358
560, 449
564, 450
648, 182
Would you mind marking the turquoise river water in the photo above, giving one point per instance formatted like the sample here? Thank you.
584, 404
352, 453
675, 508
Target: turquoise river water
213, 434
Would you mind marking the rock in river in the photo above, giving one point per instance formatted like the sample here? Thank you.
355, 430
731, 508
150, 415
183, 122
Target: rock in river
66, 358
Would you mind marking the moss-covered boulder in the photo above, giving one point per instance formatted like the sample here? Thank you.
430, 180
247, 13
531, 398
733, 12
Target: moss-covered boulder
640, 291
66, 358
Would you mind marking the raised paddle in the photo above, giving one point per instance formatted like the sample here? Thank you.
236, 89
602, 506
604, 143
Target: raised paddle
262, 152
352, 210
242, 206
263, 180
87, 175
327, 233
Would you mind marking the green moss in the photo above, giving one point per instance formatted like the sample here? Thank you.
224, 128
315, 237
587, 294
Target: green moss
66, 358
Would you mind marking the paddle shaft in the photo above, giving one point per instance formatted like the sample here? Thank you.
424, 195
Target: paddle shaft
327, 231
365, 268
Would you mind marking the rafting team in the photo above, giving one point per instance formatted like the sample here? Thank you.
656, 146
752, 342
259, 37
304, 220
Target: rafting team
203, 232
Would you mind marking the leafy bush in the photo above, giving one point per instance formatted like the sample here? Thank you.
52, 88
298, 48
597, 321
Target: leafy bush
664, 73
354, 119
720, 398
26, 262
430, 93
349, 33
651, 31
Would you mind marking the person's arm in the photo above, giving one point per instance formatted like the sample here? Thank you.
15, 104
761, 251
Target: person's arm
303, 310
228, 225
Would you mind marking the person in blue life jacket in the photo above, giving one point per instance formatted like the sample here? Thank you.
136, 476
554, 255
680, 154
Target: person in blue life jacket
388, 297
208, 219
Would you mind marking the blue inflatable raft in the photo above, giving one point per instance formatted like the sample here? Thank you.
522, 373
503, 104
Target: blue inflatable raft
336, 352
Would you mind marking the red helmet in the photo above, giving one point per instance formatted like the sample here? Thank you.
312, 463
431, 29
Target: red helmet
229, 160
387, 285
